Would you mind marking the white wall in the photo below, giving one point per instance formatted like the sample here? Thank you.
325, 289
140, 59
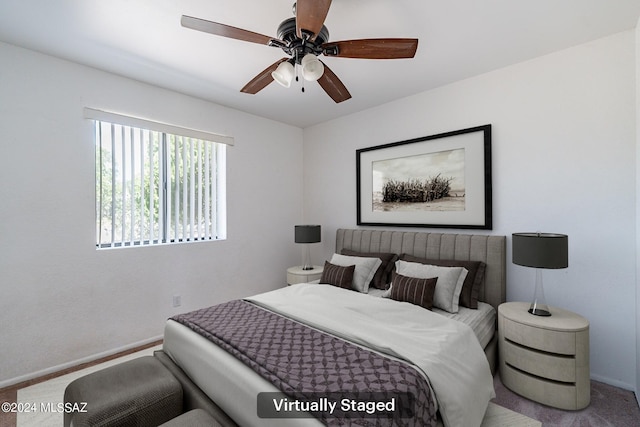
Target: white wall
563, 161
61, 300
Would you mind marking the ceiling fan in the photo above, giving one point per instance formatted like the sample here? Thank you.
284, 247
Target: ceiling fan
303, 38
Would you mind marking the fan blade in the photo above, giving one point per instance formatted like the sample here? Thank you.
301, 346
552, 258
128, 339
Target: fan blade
310, 16
223, 30
263, 79
333, 86
372, 48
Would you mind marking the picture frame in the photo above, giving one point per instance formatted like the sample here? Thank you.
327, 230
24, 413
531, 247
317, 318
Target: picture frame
439, 181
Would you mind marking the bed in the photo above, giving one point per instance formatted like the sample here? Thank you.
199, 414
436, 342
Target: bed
218, 381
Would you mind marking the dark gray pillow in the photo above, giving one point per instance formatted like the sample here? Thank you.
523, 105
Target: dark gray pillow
382, 278
411, 289
336, 275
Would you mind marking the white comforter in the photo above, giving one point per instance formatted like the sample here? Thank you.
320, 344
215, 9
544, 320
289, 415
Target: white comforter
447, 351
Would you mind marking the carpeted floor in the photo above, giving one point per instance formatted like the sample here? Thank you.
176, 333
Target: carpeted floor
610, 407
52, 390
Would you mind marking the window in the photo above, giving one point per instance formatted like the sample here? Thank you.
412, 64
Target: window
157, 184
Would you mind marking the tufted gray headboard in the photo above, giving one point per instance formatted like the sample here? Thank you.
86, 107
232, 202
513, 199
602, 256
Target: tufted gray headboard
462, 247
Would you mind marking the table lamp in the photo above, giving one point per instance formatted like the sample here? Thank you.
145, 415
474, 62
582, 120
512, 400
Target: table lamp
307, 234
540, 250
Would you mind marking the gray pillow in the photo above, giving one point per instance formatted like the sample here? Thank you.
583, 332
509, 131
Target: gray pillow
473, 281
365, 269
450, 280
382, 278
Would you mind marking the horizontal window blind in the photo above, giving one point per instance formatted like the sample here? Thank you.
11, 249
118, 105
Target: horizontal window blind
155, 187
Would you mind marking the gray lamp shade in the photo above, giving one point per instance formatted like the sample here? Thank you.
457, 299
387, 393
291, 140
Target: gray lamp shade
307, 233
541, 250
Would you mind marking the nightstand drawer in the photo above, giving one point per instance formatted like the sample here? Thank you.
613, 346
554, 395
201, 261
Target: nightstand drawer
540, 339
553, 367
563, 396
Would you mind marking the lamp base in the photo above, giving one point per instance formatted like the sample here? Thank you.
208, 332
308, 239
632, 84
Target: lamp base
539, 306
306, 262
536, 311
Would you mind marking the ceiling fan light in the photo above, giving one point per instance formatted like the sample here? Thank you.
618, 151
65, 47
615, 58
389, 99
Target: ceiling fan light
283, 74
312, 68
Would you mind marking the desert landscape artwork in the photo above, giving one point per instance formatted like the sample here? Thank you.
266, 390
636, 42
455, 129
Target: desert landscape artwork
441, 180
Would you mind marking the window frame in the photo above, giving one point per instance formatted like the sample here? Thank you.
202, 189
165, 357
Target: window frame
214, 145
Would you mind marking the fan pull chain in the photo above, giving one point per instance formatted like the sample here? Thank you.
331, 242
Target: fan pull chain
297, 79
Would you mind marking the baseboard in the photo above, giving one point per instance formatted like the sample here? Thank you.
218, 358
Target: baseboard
75, 363
614, 383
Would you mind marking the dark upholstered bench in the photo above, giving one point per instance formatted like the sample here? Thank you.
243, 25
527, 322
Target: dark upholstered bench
193, 396
140, 392
193, 418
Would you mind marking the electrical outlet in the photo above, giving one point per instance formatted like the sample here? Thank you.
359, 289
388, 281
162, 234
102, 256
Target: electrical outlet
177, 300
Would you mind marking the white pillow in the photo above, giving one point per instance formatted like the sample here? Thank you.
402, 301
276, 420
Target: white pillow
365, 269
448, 287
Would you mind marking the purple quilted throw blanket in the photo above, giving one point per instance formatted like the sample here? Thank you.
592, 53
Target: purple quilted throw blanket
317, 370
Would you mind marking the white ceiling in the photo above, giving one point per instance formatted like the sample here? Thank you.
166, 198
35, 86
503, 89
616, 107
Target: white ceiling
143, 40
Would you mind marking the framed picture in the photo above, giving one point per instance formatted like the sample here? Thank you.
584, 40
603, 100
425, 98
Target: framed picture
440, 180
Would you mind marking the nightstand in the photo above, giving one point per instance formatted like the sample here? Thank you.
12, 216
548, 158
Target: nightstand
298, 275
545, 359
